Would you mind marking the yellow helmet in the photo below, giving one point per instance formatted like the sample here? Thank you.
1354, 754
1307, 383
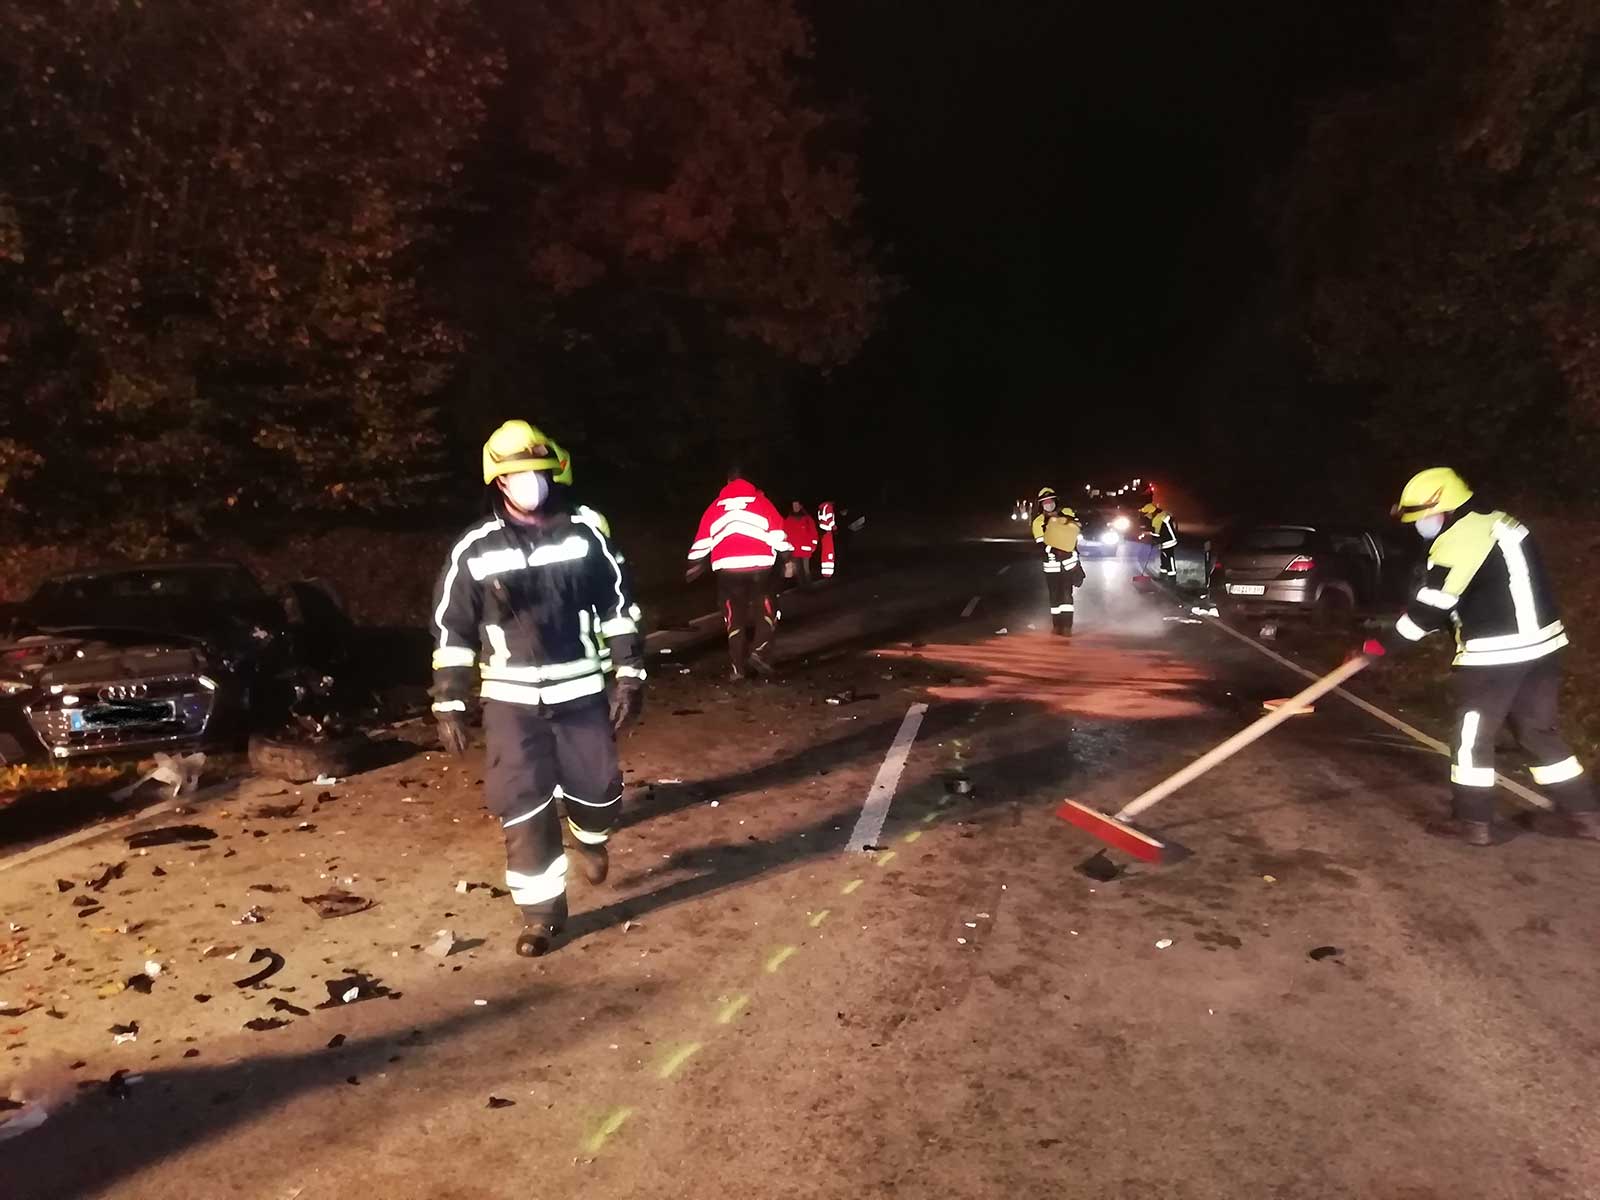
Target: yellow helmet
1046, 491
1067, 511
1149, 510
1436, 490
518, 446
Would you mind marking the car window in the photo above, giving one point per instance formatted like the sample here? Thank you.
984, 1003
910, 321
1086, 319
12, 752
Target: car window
1274, 537
1350, 543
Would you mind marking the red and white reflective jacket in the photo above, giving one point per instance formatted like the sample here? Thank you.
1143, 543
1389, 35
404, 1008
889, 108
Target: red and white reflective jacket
741, 531
826, 521
801, 531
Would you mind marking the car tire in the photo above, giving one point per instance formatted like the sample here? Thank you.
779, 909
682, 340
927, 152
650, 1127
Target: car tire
301, 760
1333, 609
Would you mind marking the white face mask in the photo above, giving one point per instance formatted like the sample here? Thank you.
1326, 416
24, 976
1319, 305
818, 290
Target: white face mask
1430, 526
1049, 506
527, 489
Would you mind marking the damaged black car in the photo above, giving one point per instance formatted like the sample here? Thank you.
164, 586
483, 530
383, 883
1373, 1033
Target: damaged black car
166, 656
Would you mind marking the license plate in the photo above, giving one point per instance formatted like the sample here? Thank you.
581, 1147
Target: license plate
1247, 589
110, 716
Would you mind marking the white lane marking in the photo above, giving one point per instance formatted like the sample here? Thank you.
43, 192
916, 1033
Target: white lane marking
971, 606
869, 826
1372, 710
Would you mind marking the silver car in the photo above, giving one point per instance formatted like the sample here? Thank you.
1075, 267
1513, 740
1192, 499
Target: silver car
1326, 572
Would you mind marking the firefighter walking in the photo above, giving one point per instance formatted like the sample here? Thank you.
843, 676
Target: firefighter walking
1056, 531
742, 535
1165, 531
526, 600
1485, 580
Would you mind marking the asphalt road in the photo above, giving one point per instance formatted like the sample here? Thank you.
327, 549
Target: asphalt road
747, 1009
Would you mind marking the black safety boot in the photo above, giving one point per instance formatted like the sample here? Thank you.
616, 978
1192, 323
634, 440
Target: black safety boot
737, 675
760, 665
1473, 833
593, 861
535, 941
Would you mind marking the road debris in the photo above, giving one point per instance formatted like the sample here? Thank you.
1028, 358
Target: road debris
1001, 632
274, 962
113, 872
180, 774
1163, 943
254, 915
117, 1086
500, 1102
278, 812
337, 903
123, 1034
1269, 879
442, 945
325, 781
272, 889
262, 1024
336, 1041
279, 1004
354, 986
1322, 952
169, 835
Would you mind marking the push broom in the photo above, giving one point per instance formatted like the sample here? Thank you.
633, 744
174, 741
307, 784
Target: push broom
1118, 829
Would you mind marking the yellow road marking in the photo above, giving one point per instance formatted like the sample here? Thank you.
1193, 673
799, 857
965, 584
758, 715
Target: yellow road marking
608, 1128
930, 818
731, 1009
782, 955
851, 886
676, 1059
912, 836
817, 918
885, 859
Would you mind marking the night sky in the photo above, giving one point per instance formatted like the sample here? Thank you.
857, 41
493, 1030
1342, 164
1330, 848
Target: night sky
1074, 196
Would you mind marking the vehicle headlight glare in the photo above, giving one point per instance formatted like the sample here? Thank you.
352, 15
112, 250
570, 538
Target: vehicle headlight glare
1121, 524
1110, 537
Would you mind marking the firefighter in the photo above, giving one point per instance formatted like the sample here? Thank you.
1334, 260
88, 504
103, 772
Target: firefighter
801, 532
1165, 531
827, 523
1056, 531
742, 535
526, 598
1486, 581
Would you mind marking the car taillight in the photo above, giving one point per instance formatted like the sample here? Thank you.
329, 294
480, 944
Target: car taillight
1302, 562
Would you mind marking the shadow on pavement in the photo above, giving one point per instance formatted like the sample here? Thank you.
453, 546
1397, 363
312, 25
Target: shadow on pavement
94, 1139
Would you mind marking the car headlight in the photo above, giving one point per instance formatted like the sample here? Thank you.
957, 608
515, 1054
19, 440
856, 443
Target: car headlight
1110, 537
14, 687
1121, 524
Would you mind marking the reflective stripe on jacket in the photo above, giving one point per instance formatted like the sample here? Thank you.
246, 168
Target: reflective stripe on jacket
537, 612
1486, 581
741, 530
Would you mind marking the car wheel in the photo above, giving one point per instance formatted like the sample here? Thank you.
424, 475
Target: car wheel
301, 760
1333, 609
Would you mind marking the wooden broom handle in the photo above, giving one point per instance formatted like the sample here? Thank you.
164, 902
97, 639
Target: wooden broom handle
1240, 740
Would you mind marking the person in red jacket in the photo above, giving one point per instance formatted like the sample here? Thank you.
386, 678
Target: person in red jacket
742, 535
827, 522
801, 531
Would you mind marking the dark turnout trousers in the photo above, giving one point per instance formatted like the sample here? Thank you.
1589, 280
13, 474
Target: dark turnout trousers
749, 613
537, 755
1528, 695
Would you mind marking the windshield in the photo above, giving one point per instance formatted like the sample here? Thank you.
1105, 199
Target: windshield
144, 598
1275, 537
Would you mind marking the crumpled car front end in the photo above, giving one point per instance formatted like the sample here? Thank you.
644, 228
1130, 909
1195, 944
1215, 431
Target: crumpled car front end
84, 696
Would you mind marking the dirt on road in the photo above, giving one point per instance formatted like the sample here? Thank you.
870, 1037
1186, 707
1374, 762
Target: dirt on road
1321, 1002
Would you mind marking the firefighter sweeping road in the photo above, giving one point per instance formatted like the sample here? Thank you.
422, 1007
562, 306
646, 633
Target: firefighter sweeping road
1321, 1002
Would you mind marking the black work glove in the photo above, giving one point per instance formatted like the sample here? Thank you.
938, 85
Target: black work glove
694, 572
627, 703
452, 732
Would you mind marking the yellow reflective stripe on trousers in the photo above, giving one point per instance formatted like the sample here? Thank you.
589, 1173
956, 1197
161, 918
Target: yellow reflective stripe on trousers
1567, 768
1409, 629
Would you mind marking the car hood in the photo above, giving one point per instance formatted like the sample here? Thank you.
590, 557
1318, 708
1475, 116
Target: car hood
77, 657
